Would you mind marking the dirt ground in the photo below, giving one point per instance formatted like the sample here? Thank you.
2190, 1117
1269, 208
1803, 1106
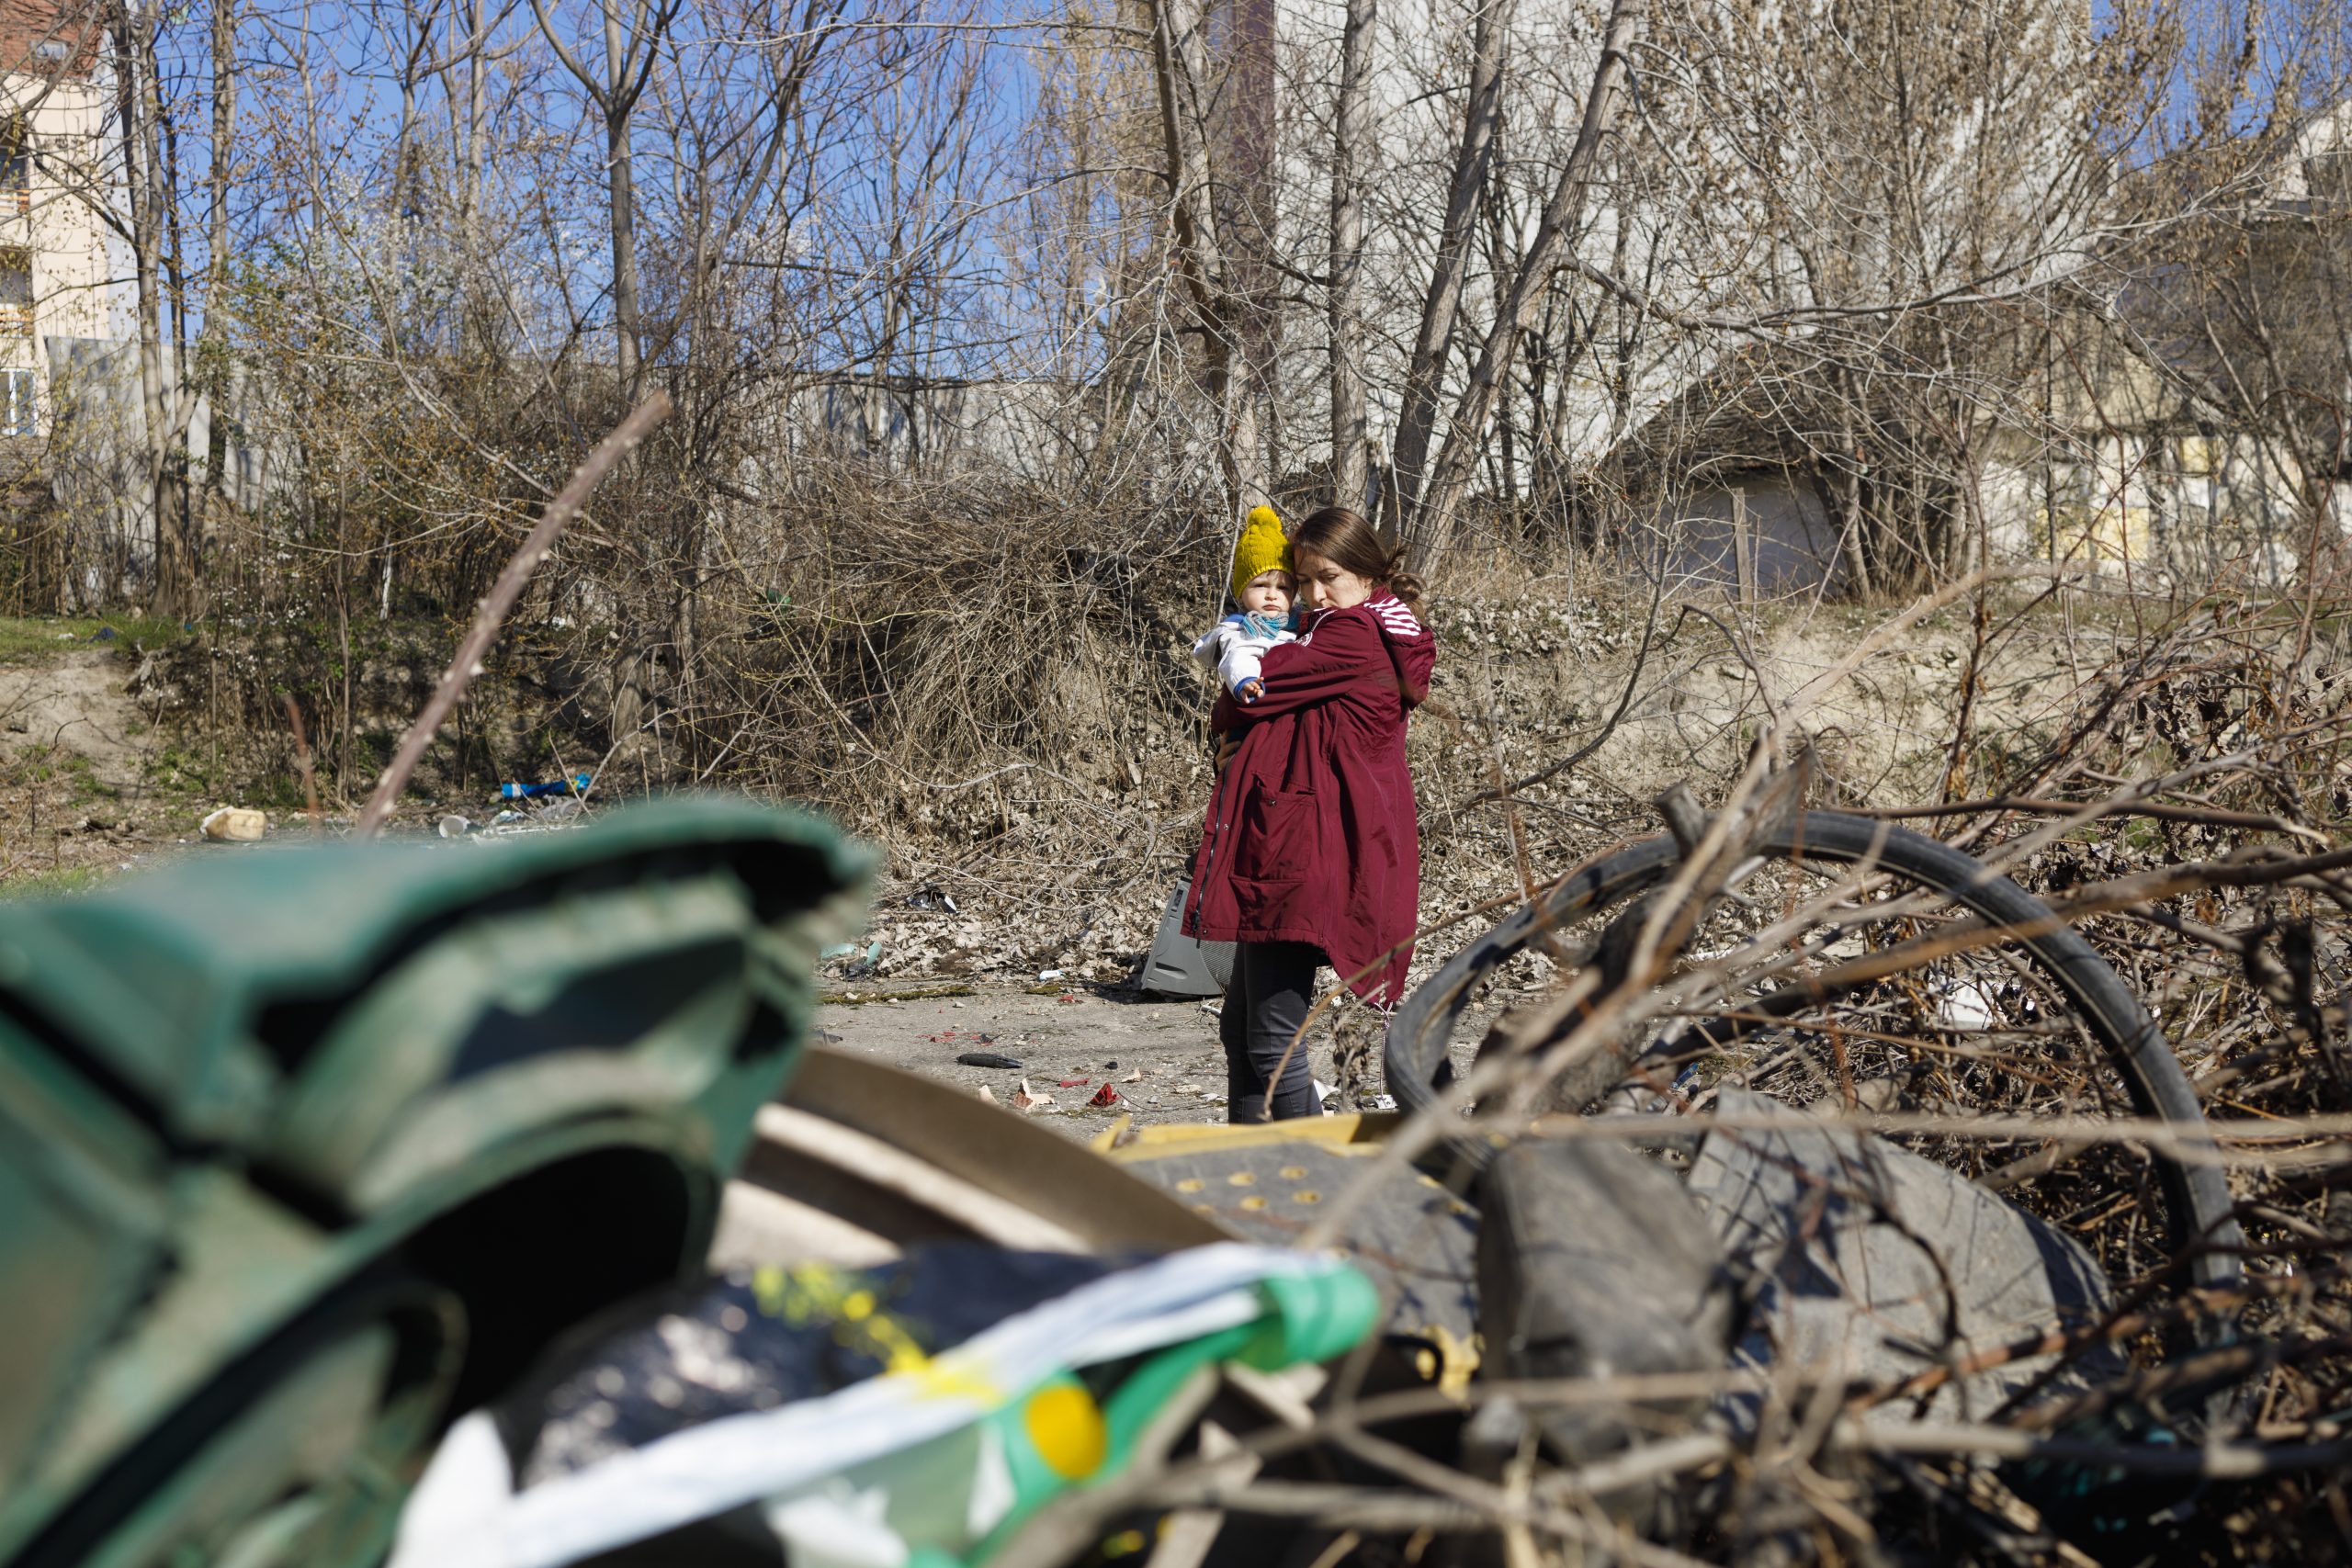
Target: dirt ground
78, 795
1097, 1034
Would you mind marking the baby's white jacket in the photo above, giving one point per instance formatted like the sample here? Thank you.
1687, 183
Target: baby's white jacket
1235, 647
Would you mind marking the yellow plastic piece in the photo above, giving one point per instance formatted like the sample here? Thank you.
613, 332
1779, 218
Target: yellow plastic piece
1066, 1426
1358, 1132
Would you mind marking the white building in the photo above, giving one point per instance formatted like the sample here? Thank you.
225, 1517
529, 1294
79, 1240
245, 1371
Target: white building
65, 272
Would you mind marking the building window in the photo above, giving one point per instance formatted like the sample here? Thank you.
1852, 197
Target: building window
19, 415
16, 294
15, 167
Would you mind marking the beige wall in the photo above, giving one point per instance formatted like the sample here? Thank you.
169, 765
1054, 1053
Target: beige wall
80, 281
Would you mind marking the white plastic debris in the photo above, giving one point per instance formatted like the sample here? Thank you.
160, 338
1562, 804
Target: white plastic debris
1967, 1005
235, 825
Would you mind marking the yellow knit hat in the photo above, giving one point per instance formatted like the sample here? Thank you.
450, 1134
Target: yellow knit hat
1262, 548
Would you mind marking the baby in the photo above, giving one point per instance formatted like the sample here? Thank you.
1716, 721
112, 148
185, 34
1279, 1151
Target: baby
1262, 585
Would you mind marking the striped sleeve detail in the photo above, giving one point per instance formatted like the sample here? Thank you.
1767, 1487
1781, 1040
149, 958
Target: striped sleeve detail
1396, 619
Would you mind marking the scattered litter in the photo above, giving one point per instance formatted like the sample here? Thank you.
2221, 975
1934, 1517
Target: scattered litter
1110, 1066
1072, 1083
1069, 996
104, 634
928, 896
561, 811
1210, 1007
506, 819
1968, 1005
1323, 1091
1136, 1077
1049, 973
988, 1059
798, 1432
578, 783
235, 824
1104, 1097
1028, 1100
1383, 1102
455, 827
986, 1095
839, 949
920, 994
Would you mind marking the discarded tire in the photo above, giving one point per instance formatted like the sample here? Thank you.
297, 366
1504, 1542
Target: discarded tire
2197, 1206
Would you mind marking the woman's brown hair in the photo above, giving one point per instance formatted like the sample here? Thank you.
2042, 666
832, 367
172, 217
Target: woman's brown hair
1349, 542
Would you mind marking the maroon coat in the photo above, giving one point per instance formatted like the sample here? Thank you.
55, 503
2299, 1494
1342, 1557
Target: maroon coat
1312, 835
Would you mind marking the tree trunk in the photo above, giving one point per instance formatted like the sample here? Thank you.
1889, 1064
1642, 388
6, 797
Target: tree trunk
1349, 457
1204, 259
211, 347
630, 54
1442, 303
176, 570
626, 325
1431, 526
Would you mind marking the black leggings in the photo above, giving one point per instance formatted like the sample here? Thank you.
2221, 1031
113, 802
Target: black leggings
1273, 982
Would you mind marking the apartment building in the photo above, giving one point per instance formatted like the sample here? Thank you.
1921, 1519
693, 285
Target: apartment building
65, 272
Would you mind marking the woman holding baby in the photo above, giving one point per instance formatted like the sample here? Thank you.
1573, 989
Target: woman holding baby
1311, 851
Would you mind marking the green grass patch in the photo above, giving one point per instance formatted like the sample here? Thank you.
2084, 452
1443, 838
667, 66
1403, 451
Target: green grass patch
31, 638
63, 882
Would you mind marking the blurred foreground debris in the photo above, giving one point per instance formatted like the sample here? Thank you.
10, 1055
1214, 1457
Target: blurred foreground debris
303, 1153
1816, 1192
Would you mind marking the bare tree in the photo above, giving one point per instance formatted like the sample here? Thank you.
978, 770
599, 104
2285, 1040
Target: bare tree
1442, 299
1208, 254
631, 32
1351, 126
1432, 522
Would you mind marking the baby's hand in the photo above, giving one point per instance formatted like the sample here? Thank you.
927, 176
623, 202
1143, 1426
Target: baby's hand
1250, 691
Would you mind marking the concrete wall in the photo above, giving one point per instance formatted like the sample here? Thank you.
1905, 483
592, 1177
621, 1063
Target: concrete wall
2162, 509
2188, 507
1792, 541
